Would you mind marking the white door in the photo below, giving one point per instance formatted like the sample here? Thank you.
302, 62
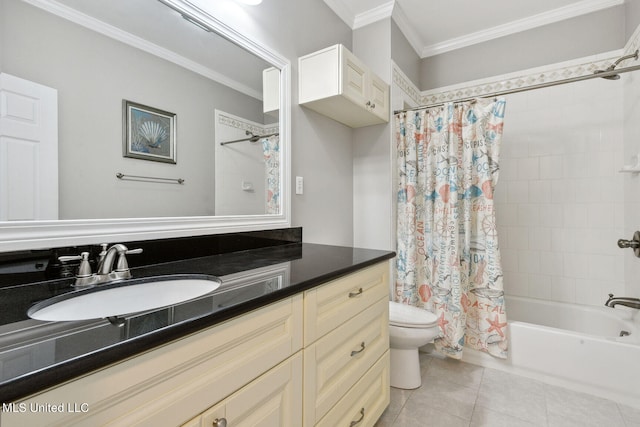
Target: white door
28, 150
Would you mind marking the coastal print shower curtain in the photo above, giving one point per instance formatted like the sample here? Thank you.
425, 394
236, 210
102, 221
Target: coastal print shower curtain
448, 255
271, 152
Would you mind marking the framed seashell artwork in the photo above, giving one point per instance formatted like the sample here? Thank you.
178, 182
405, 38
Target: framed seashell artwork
148, 133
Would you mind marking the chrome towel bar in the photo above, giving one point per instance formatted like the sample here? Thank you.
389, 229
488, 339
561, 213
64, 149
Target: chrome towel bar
122, 176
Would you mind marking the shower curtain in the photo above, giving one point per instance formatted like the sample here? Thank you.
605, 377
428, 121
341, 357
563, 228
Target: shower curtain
271, 152
448, 255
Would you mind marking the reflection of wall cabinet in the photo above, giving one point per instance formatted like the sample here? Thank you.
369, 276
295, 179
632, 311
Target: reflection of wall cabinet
334, 82
270, 90
253, 370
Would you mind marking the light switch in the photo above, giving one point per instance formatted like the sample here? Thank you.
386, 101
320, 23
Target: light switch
299, 185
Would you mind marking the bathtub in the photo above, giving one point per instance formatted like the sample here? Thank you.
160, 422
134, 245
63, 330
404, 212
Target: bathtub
573, 346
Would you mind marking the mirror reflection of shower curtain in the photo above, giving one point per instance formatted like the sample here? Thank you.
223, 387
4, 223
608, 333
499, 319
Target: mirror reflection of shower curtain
448, 255
271, 151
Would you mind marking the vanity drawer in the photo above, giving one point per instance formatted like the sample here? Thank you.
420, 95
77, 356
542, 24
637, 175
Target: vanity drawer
334, 363
171, 384
329, 306
366, 400
272, 400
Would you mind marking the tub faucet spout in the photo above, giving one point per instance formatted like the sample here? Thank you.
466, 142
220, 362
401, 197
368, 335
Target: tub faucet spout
627, 302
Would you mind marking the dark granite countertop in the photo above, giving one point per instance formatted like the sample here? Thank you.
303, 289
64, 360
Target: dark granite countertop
60, 351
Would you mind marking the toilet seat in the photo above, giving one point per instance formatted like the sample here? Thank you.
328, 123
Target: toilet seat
410, 317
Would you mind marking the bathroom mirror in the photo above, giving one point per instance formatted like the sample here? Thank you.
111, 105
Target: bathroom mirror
158, 107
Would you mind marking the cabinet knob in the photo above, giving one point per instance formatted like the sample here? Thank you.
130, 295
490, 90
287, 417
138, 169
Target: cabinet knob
220, 422
358, 421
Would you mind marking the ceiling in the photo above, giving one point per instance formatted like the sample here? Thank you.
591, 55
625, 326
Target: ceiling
438, 26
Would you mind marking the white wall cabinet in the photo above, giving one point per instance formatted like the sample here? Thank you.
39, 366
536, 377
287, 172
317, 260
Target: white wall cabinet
318, 358
335, 83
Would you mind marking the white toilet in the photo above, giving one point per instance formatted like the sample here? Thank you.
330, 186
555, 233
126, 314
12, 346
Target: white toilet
409, 328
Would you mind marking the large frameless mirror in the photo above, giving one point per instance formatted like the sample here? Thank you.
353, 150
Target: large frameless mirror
122, 119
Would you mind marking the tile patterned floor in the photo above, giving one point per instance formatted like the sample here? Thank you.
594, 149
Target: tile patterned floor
457, 394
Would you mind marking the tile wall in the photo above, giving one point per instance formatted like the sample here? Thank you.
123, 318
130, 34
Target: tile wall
632, 181
560, 198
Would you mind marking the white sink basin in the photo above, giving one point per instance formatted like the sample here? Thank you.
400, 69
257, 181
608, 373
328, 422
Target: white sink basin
123, 298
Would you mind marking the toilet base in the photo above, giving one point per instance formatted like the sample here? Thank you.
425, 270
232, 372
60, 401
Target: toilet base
405, 368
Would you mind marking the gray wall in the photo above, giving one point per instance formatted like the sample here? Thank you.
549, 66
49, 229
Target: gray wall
372, 192
403, 54
322, 150
632, 17
585, 35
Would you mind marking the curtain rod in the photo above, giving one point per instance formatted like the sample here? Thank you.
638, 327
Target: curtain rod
252, 138
600, 74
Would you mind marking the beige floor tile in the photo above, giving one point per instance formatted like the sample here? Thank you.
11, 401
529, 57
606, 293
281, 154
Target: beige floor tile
454, 371
483, 417
441, 395
513, 395
630, 415
456, 394
428, 417
582, 408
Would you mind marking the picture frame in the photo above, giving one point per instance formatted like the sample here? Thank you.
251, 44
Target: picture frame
148, 133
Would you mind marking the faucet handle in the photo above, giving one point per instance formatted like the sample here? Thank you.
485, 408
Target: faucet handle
122, 265
84, 270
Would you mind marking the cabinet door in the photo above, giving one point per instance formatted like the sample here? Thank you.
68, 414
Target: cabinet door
379, 96
354, 78
272, 400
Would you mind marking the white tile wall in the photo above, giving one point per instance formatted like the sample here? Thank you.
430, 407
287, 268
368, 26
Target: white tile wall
631, 207
560, 201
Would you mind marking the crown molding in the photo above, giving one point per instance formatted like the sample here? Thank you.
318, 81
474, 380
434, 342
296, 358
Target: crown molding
355, 21
374, 15
567, 12
342, 10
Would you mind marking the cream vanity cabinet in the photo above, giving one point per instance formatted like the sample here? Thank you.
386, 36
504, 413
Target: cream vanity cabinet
257, 353
346, 354
317, 358
335, 83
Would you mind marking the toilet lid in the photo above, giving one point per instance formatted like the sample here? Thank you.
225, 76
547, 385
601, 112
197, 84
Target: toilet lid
410, 317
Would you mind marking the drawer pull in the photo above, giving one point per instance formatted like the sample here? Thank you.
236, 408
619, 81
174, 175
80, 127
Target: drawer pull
220, 422
354, 423
353, 353
355, 294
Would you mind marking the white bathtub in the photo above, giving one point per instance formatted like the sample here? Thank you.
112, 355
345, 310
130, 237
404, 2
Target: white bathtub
578, 347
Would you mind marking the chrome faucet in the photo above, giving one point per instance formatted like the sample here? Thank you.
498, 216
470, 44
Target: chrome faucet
627, 302
106, 272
